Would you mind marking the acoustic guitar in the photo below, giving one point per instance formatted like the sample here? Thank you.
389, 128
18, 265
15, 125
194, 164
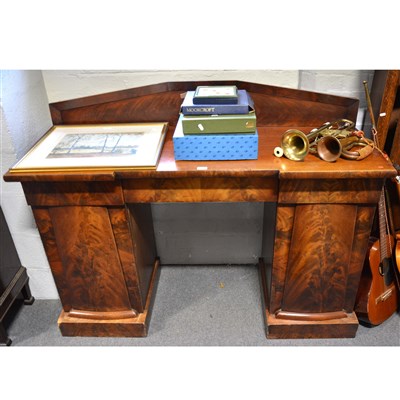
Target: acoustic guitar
377, 295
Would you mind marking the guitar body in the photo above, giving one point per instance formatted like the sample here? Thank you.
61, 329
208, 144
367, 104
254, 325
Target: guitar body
377, 296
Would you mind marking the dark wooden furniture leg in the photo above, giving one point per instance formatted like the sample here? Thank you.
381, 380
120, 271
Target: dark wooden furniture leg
18, 285
4, 339
26, 293
14, 279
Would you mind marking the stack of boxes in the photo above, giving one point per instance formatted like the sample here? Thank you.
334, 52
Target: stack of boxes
216, 123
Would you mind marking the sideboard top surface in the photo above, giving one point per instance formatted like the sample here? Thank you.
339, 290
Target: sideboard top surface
277, 110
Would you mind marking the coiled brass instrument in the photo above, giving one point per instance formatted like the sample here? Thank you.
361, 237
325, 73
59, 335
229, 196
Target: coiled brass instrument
329, 142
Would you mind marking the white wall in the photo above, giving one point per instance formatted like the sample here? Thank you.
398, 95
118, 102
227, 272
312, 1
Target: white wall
25, 117
339, 83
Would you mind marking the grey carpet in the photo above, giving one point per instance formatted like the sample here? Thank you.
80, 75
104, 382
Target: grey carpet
194, 306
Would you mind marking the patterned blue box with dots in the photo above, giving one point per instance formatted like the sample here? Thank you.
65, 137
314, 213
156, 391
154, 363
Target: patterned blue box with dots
221, 146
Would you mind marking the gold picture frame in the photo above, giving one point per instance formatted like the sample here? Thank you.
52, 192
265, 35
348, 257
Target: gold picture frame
96, 147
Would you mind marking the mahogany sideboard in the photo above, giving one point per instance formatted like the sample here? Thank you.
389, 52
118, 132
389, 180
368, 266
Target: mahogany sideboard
97, 227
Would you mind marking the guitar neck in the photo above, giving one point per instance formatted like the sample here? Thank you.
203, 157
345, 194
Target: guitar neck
383, 243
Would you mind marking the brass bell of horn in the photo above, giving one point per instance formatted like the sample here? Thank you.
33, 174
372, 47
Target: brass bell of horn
295, 145
329, 148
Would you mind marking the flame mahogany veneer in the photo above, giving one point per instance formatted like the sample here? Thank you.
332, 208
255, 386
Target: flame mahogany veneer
97, 227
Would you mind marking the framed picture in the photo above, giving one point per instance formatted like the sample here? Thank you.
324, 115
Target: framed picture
215, 95
94, 147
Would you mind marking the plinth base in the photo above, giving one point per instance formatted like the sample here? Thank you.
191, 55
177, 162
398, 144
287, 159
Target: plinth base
126, 327
292, 329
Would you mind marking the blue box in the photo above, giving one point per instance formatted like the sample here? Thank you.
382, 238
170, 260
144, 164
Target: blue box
221, 146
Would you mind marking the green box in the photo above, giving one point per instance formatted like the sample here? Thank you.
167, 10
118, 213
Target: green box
206, 124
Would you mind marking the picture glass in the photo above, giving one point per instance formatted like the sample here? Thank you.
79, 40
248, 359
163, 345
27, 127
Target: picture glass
216, 91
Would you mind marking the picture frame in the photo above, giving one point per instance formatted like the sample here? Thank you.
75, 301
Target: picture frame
96, 147
215, 95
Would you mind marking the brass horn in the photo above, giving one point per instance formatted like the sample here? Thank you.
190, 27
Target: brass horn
325, 141
329, 148
295, 144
